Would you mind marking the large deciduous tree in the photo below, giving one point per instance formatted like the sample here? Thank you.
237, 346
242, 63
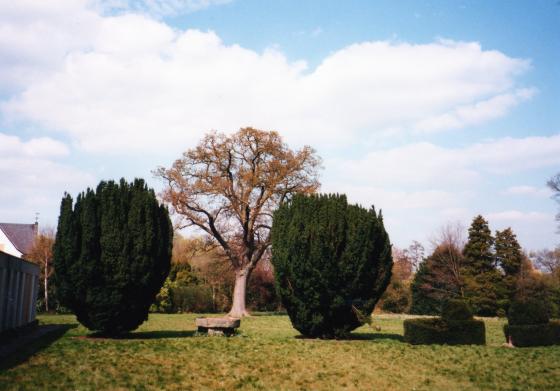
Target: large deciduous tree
229, 185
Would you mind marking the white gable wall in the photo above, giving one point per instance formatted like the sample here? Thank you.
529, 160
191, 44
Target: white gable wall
7, 246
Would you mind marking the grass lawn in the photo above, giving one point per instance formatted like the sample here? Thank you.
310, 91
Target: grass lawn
268, 354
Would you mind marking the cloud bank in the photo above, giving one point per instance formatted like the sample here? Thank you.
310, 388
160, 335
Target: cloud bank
132, 82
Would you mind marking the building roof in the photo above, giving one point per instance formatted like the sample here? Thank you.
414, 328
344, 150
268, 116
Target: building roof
22, 236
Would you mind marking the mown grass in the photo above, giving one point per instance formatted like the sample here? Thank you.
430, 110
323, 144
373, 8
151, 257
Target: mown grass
268, 354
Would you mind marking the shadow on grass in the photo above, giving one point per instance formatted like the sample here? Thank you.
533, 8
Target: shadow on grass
31, 345
363, 337
161, 334
376, 336
158, 334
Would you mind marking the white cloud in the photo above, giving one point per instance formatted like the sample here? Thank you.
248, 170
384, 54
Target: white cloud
422, 186
36, 35
534, 230
426, 164
531, 191
131, 82
32, 179
509, 216
43, 147
367, 195
477, 113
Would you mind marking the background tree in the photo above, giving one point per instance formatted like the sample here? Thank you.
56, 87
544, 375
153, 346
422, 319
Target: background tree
112, 254
332, 261
415, 253
229, 186
547, 260
440, 276
397, 297
41, 253
481, 277
547, 265
509, 257
554, 184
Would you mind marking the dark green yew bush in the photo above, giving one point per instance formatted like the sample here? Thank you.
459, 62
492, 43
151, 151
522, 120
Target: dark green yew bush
332, 262
456, 326
112, 254
531, 311
529, 325
456, 309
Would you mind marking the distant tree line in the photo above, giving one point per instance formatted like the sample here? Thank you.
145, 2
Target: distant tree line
488, 271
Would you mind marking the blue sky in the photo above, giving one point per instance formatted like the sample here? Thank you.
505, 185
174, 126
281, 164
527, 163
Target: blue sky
433, 111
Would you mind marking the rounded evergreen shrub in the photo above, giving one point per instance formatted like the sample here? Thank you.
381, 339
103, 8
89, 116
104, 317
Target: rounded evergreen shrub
332, 262
456, 309
112, 254
529, 311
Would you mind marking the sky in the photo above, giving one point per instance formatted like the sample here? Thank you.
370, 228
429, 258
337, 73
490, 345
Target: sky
433, 111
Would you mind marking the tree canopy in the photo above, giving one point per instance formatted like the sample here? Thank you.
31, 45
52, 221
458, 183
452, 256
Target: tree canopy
229, 185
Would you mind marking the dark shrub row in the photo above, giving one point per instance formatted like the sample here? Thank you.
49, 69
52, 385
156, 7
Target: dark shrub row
544, 334
529, 325
455, 327
441, 331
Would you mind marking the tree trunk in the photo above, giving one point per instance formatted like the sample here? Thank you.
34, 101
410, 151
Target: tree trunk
238, 309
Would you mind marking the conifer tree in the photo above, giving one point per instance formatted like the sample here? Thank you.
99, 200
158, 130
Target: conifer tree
332, 262
423, 303
509, 257
481, 278
478, 250
508, 252
112, 254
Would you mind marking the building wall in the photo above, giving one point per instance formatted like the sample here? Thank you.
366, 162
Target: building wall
19, 285
7, 246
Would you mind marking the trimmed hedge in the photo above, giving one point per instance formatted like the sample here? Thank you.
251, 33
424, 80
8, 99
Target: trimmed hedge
455, 309
439, 331
525, 335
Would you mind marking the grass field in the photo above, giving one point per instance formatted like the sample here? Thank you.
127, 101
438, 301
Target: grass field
267, 354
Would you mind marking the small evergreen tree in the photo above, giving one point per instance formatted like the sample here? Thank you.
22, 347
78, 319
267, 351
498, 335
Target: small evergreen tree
479, 257
422, 302
481, 278
509, 257
112, 254
508, 252
332, 262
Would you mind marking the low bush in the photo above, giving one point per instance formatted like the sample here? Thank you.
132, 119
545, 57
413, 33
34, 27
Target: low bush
528, 312
441, 331
193, 298
525, 335
455, 309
